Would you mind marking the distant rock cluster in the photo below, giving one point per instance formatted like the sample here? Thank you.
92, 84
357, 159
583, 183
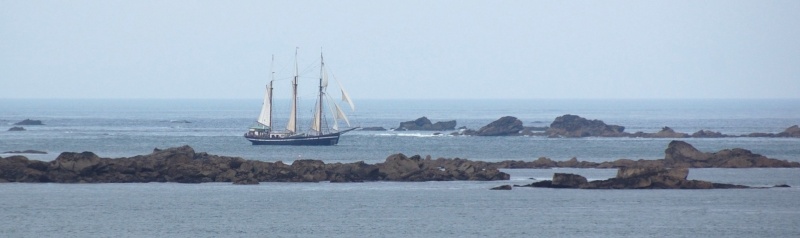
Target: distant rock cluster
569, 126
677, 154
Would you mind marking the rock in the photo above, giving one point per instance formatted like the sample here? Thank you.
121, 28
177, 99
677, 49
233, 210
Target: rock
792, 131
423, 124
682, 154
634, 178
576, 126
667, 132
398, 167
29, 122
374, 128
564, 180
505, 126
16, 128
708, 134
502, 187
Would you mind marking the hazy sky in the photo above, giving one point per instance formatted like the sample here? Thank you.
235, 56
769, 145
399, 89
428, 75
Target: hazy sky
402, 49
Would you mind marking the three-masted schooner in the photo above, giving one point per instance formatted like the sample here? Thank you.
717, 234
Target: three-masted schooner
263, 132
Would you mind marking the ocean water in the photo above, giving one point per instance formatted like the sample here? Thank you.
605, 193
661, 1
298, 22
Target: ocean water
117, 128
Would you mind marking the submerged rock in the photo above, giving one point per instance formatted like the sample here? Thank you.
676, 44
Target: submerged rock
373, 128
16, 128
29, 122
502, 187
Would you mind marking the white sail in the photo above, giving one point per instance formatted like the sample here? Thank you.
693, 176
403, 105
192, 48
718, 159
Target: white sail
346, 97
340, 114
335, 122
316, 125
264, 118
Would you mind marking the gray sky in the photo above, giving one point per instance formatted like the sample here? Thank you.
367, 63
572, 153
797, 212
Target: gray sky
402, 49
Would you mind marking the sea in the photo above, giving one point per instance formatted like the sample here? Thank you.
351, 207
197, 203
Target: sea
116, 128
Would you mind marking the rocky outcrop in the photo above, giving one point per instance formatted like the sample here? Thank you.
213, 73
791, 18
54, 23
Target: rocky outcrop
634, 178
398, 167
502, 187
792, 131
29, 122
708, 134
184, 165
682, 154
16, 128
505, 126
576, 126
424, 124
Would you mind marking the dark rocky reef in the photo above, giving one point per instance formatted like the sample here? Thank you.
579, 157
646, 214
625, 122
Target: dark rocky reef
677, 154
183, 165
29, 122
665, 132
792, 131
634, 178
576, 126
16, 128
373, 128
502, 187
25, 152
424, 124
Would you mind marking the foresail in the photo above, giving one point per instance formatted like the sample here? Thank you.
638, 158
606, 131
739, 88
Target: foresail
264, 118
335, 122
340, 114
346, 98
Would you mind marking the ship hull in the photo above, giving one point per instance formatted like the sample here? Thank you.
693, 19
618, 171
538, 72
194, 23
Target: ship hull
327, 139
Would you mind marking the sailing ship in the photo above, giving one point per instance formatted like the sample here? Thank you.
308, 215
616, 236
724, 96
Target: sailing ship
263, 132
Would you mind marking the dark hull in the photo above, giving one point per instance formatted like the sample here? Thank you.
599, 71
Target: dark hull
327, 139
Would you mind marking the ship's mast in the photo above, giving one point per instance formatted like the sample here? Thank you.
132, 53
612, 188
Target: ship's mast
319, 112
272, 78
292, 126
